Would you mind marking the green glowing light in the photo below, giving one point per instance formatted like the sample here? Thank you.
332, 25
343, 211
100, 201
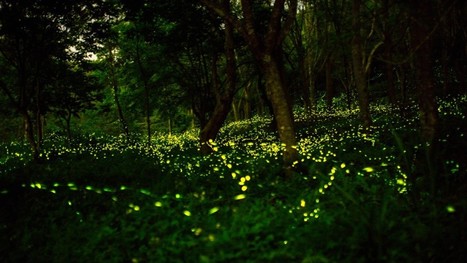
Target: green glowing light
213, 210
450, 209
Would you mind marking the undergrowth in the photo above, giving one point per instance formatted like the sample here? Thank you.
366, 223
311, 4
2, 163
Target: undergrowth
357, 198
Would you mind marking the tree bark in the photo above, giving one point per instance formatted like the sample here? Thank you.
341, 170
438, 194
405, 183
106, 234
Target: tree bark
358, 67
267, 51
281, 108
422, 43
224, 99
391, 88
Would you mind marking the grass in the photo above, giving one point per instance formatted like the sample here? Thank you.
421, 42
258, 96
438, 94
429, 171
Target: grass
360, 198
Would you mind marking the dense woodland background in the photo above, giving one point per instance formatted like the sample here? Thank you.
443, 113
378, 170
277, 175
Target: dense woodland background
163, 66
233, 131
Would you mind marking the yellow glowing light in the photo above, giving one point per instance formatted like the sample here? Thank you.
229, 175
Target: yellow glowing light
240, 197
158, 204
136, 208
211, 237
229, 166
223, 157
187, 213
342, 165
234, 175
450, 209
178, 196
248, 178
368, 169
198, 231
302, 203
244, 188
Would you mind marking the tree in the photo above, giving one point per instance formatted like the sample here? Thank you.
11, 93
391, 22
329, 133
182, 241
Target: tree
75, 90
34, 35
223, 99
358, 61
266, 47
421, 32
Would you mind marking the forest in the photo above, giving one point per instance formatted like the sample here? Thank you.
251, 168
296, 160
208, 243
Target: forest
309, 131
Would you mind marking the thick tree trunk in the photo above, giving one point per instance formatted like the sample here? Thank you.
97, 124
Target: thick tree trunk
267, 50
210, 131
359, 69
422, 42
147, 105
391, 88
282, 111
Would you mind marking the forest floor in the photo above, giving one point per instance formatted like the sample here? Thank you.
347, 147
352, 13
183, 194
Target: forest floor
375, 197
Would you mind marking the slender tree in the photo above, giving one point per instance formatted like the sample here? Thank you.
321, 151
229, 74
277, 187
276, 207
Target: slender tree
223, 98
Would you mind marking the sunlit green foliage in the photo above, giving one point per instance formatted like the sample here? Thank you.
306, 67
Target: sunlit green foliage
357, 198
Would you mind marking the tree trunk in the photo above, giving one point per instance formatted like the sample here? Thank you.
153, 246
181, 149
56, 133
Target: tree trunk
391, 88
266, 48
358, 67
313, 100
282, 112
29, 132
68, 126
422, 43
39, 123
147, 106
224, 99
114, 83
329, 83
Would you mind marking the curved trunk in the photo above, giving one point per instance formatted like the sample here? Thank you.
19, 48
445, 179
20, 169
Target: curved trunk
224, 100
